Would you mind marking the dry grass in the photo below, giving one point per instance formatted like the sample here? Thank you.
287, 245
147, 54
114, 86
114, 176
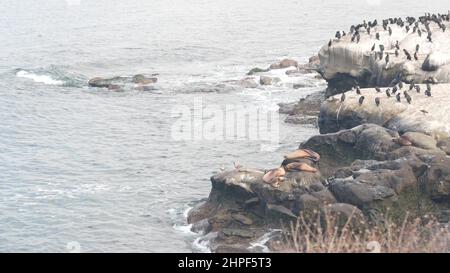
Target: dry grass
326, 233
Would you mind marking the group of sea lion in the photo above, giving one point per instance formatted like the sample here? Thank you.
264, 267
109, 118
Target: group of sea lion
297, 161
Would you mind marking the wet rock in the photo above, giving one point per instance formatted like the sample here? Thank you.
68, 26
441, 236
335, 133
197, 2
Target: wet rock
99, 82
121, 83
285, 63
248, 82
299, 119
310, 105
266, 80
201, 226
231, 249
257, 70
142, 79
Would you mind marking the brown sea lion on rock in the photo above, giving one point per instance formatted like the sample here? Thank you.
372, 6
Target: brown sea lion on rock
403, 141
274, 176
303, 153
300, 167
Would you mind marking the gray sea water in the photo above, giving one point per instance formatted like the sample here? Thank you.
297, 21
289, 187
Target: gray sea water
96, 171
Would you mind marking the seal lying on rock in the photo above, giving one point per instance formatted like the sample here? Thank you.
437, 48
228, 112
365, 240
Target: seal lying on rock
275, 176
297, 161
302, 167
303, 153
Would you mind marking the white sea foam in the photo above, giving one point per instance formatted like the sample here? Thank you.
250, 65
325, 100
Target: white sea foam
260, 243
203, 244
45, 79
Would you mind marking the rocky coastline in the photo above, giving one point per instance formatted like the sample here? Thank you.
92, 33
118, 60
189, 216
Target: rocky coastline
384, 141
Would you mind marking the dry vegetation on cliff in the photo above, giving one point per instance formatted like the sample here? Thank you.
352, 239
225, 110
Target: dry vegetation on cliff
328, 233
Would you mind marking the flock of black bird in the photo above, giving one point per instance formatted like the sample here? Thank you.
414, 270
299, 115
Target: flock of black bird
395, 91
419, 26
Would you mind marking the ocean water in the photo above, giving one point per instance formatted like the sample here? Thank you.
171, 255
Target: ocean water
90, 170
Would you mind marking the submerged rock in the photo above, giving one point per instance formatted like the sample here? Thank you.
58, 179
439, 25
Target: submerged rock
285, 63
267, 80
121, 83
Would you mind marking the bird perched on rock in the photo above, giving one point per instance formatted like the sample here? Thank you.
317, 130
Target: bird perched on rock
398, 97
330, 43
377, 36
361, 100
390, 31
343, 97
415, 56
388, 94
417, 88
400, 85
396, 53
381, 48
397, 46
373, 47
377, 101
411, 86
428, 92
407, 97
408, 56
358, 91
394, 89
417, 47
430, 39
378, 89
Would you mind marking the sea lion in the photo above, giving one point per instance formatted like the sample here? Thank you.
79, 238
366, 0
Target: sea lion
274, 175
402, 141
303, 153
302, 167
